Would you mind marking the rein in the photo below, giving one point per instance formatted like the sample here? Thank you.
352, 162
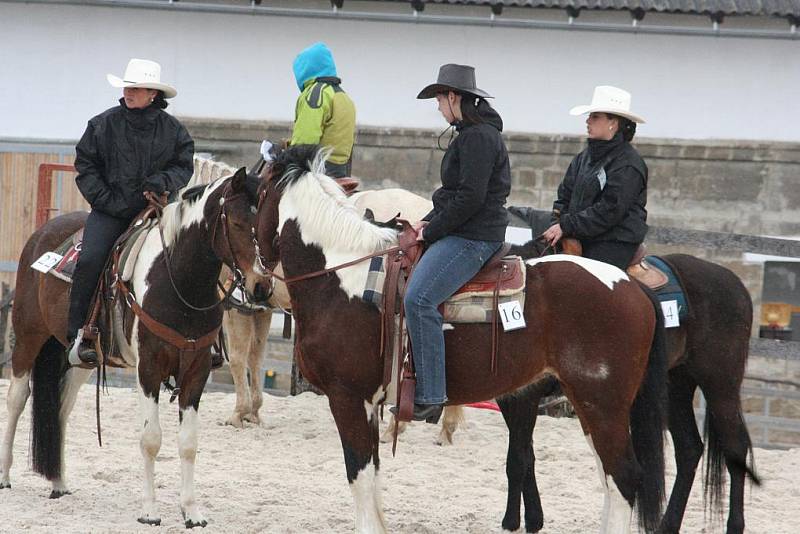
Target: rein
160, 330
238, 276
290, 280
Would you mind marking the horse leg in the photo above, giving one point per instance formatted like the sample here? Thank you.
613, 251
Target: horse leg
726, 437
18, 393
73, 379
255, 362
149, 444
189, 400
453, 416
237, 328
388, 434
687, 444
358, 431
519, 412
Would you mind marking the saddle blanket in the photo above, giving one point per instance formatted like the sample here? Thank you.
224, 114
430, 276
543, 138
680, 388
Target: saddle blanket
70, 249
471, 304
672, 290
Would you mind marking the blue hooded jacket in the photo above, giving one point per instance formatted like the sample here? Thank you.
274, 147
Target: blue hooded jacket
316, 61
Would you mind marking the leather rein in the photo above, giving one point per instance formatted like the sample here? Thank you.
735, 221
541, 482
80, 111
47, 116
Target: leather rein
166, 333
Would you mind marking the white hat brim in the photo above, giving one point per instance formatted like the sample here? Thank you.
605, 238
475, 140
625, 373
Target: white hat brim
168, 90
583, 110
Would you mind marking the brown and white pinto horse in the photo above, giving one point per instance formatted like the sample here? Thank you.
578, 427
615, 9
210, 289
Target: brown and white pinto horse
587, 324
210, 225
708, 351
246, 330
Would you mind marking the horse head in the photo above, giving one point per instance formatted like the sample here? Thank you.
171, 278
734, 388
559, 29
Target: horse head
229, 212
288, 165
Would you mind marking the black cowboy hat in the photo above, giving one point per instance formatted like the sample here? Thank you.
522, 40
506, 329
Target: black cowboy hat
452, 77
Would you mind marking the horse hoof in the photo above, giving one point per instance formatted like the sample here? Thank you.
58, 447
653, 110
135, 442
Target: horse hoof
235, 421
5, 485
57, 494
191, 524
147, 521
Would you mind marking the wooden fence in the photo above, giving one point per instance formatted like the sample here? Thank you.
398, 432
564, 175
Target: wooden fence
18, 190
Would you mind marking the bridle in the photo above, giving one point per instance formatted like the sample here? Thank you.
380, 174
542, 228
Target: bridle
239, 279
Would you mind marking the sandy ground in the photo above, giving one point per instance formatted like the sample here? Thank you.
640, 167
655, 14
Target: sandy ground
287, 476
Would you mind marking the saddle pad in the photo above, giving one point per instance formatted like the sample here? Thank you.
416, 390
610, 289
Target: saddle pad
672, 290
69, 250
131, 248
467, 305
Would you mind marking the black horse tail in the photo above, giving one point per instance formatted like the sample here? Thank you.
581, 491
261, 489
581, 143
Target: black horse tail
648, 421
48, 372
715, 460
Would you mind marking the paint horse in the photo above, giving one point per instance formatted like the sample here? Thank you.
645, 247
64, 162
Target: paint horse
175, 286
246, 326
708, 350
587, 324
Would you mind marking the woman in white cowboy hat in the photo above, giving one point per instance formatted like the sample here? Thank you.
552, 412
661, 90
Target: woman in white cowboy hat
601, 201
126, 151
466, 227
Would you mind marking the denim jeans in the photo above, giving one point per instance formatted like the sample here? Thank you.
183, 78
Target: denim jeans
447, 265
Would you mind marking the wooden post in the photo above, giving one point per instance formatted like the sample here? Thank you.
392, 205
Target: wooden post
43, 207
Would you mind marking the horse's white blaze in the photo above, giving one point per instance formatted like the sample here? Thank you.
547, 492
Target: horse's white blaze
617, 512
607, 274
366, 495
18, 393
149, 444
187, 450
330, 220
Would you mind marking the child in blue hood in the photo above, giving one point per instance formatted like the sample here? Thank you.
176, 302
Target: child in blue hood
324, 113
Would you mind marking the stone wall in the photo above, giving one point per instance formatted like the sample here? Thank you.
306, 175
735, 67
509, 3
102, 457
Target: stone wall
724, 186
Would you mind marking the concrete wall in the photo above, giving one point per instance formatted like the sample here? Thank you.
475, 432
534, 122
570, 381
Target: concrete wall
54, 59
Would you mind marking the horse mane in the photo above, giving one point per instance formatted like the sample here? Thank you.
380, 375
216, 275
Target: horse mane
207, 173
327, 215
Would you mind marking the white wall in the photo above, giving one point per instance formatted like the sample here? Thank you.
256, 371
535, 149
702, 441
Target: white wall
54, 58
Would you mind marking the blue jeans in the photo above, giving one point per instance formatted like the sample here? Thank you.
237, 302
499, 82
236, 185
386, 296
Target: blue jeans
447, 265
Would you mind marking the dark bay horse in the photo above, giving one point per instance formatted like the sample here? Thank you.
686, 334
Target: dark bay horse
708, 350
210, 225
588, 325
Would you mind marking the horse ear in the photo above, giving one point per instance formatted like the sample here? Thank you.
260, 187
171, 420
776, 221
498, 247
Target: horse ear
239, 179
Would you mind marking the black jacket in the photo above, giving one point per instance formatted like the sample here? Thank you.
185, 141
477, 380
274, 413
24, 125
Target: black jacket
612, 212
124, 152
476, 180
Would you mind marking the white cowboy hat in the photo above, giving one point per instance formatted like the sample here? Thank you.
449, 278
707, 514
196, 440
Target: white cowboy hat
142, 73
608, 99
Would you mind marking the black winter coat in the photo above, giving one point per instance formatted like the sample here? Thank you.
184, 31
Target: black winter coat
476, 179
125, 152
613, 211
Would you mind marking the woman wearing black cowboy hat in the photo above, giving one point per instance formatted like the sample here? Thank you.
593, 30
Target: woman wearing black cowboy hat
466, 227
